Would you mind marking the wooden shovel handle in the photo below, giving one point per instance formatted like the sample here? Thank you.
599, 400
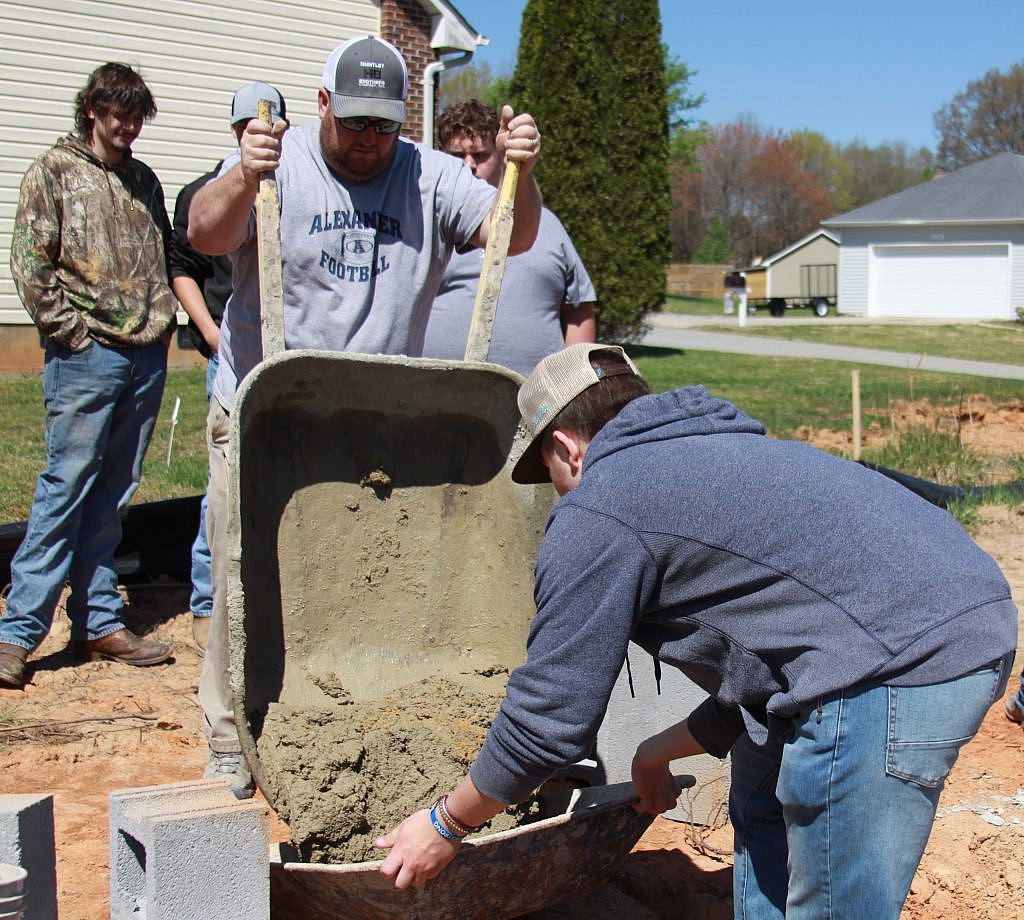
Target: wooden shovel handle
482, 324
268, 240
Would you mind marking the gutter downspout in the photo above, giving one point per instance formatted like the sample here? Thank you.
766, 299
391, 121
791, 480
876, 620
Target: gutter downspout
433, 68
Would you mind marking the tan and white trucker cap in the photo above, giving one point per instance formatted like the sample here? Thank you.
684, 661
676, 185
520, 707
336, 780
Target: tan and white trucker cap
554, 383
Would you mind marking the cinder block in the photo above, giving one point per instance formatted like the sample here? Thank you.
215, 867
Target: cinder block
27, 840
188, 851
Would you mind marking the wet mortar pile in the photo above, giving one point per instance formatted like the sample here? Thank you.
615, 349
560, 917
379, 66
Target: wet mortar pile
346, 772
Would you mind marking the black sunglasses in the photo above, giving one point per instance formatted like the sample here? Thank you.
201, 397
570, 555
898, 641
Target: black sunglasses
380, 125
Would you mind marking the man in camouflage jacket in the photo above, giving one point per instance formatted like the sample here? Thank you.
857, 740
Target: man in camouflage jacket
88, 257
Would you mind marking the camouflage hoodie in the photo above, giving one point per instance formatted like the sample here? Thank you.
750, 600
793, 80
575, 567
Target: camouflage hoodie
89, 251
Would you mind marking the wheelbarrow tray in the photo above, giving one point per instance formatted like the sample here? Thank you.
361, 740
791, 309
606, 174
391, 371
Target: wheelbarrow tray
375, 534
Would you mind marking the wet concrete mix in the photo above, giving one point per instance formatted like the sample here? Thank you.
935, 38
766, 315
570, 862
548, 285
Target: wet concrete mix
345, 773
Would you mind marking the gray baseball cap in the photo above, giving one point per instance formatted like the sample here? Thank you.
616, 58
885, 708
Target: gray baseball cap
367, 77
244, 105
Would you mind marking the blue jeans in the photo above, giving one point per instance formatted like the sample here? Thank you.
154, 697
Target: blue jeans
101, 406
832, 822
201, 600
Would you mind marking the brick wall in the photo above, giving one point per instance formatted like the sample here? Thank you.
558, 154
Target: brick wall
406, 25
686, 280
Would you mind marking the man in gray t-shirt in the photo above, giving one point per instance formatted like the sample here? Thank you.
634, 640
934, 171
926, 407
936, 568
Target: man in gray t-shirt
368, 222
547, 298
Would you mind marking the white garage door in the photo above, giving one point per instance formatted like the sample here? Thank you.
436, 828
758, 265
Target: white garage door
946, 281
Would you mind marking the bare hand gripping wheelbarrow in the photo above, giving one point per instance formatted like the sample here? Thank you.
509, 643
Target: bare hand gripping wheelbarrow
375, 533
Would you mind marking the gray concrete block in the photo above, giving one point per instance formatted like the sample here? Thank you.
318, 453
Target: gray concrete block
630, 719
188, 851
27, 840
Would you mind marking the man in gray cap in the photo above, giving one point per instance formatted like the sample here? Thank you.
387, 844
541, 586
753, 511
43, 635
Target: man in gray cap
202, 284
368, 222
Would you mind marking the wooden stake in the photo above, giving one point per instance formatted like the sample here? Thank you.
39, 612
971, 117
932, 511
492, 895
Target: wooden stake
855, 385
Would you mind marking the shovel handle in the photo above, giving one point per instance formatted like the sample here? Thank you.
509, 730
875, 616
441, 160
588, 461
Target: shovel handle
486, 305
268, 240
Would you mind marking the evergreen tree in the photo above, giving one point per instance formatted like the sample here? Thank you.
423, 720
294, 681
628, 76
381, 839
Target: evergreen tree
715, 248
592, 73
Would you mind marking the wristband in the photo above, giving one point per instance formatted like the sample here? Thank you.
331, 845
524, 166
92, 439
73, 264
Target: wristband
441, 829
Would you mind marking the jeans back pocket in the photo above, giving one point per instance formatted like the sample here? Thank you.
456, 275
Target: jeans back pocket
928, 725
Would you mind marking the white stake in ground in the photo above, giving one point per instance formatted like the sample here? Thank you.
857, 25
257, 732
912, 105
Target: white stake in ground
174, 424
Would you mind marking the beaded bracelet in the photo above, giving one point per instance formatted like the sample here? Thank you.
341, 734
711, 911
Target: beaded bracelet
453, 823
440, 828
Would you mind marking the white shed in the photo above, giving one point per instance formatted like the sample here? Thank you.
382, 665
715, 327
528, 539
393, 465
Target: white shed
951, 248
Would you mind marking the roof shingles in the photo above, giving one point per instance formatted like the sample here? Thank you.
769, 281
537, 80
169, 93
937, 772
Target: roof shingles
989, 191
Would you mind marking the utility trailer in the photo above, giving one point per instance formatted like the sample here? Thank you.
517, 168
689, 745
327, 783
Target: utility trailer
801, 276
817, 293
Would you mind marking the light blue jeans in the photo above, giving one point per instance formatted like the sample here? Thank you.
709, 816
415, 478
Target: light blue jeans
101, 406
831, 823
201, 599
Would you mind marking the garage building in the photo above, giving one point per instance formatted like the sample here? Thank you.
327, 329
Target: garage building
951, 248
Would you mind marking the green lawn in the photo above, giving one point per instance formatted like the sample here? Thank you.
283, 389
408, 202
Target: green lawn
783, 393
698, 306
786, 393
23, 451
1000, 342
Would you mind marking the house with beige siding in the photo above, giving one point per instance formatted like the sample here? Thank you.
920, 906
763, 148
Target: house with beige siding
193, 54
951, 248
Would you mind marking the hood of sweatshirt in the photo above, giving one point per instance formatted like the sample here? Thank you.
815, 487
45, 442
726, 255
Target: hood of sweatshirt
682, 413
80, 148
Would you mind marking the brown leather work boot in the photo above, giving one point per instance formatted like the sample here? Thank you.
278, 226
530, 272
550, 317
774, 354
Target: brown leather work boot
123, 646
12, 665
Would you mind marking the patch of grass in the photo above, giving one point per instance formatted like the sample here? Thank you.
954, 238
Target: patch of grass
966, 511
699, 306
783, 393
23, 447
787, 393
999, 342
935, 455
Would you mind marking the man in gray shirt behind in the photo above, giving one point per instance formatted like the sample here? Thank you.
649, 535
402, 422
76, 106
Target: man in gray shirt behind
547, 299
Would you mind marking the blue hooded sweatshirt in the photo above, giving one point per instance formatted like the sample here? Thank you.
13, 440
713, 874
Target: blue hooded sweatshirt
769, 572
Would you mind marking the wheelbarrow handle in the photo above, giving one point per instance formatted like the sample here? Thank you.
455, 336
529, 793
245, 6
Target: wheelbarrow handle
486, 305
268, 239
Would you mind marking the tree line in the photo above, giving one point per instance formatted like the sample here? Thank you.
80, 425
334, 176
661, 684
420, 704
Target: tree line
638, 178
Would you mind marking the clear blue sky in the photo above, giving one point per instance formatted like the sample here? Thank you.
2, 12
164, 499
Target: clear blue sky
873, 70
